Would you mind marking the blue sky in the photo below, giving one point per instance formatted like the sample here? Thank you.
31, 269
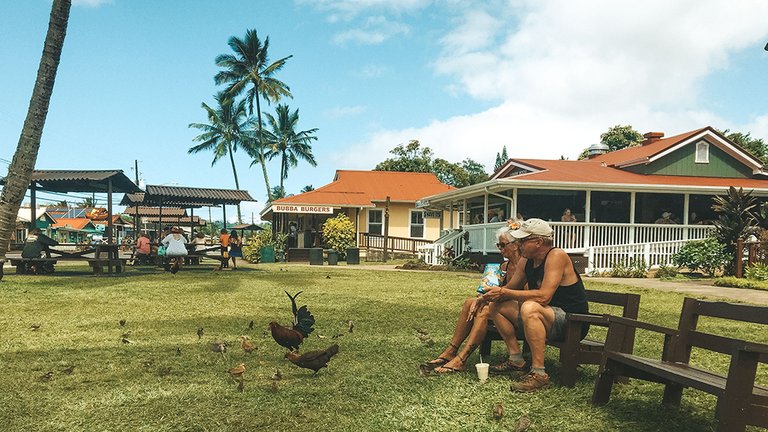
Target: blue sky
544, 78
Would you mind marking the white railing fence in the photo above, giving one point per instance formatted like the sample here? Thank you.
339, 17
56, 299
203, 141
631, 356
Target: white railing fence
602, 258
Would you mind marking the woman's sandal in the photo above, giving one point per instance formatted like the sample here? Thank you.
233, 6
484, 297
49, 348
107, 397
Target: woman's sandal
438, 362
448, 369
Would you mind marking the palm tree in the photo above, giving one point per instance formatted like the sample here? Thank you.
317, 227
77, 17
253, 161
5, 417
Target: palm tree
223, 133
283, 140
250, 66
23, 163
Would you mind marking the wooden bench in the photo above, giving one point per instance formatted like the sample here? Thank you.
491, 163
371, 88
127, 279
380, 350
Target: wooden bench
24, 265
573, 349
739, 401
98, 264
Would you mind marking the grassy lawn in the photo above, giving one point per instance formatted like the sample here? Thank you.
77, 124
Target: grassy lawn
371, 385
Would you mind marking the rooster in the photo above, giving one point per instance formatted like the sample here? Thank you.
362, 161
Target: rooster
303, 321
314, 360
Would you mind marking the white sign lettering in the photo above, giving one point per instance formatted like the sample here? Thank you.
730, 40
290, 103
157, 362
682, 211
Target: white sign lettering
284, 208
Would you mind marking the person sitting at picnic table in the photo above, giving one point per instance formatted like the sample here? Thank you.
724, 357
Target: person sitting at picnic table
175, 248
538, 313
235, 248
143, 249
224, 241
472, 323
199, 241
35, 246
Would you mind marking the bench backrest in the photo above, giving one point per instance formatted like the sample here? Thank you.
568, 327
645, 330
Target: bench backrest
630, 303
689, 318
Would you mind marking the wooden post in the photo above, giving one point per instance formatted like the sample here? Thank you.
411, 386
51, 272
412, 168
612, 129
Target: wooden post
739, 254
386, 230
32, 207
110, 228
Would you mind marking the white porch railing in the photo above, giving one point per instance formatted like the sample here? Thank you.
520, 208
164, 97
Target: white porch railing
582, 238
602, 258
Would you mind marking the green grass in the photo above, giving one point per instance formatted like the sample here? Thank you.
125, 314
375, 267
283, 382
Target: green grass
371, 385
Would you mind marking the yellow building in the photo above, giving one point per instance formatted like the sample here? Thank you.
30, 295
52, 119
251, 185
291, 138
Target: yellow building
362, 196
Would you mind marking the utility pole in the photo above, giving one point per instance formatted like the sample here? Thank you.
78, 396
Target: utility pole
386, 230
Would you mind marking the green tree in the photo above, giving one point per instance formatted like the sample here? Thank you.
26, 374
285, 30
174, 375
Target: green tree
475, 170
23, 163
755, 146
285, 142
87, 202
278, 192
307, 188
250, 66
618, 137
450, 173
410, 158
62, 203
735, 220
501, 159
223, 133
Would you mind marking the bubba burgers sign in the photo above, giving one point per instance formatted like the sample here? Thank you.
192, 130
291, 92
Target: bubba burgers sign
282, 208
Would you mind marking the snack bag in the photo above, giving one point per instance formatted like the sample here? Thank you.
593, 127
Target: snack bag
491, 277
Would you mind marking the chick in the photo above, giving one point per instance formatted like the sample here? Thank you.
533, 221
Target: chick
247, 345
498, 411
219, 346
523, 423
47, 376
277, 376
69, 369
351, 325
126, 341
35, 326
178, 351
200, 333
237, 371
122, 323
250, 325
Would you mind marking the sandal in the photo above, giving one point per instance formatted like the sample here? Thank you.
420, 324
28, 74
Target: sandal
509, 366
432, 364
446, 370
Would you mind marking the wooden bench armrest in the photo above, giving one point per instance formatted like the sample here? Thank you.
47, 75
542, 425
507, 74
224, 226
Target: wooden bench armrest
588, 318
642, 325
751, 347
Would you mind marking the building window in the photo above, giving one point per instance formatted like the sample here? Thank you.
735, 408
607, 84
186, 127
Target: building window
417, 224
702, 152
375, 222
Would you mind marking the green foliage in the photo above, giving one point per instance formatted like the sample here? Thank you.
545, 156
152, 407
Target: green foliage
735, 220
667, 272
253, 244
734, 282
755, 146
633, 268
414, 158
708, 255
618, 137
307, 188
283, 141
339, 234
757, 271
501, 159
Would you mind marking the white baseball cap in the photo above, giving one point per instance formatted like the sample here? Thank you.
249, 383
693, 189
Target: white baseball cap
532, 226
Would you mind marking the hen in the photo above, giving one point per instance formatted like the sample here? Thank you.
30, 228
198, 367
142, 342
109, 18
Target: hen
314, 360
303, 321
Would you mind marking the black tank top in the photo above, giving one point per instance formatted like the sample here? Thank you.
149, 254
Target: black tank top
570, 298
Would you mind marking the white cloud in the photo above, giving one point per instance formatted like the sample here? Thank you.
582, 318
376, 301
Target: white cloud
345, 111
374, 31
371, 71
345, 10
90, 3
564, 71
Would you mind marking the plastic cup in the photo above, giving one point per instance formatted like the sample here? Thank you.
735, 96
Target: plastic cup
482, 371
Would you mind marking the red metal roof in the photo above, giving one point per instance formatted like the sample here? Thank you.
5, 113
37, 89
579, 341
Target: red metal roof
363, 188
77, 223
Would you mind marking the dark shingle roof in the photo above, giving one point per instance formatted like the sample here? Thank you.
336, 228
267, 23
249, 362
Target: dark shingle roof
180, 196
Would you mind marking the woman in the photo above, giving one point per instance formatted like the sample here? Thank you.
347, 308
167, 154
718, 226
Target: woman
472, 323
235, 248
567, 216
175, 248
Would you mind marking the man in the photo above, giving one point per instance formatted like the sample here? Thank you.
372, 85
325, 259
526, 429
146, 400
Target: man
538, 313
35, 245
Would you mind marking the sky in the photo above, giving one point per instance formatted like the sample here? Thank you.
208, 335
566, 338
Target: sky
542, 77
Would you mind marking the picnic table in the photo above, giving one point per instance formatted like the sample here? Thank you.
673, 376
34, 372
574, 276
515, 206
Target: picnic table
98, 256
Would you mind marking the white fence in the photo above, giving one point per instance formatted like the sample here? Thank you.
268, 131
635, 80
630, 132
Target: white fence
604, 243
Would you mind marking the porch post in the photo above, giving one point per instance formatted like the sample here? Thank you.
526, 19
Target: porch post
514, 204
632, 198
464, 212
587, 219
686, 212
32, 207
485, 207
450, 217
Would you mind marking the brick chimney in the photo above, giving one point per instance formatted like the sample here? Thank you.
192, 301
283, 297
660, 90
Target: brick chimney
652, 137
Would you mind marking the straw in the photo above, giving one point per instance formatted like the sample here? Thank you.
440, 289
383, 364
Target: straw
481, 358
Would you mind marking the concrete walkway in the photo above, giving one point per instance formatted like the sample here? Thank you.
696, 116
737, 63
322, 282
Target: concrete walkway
699, 288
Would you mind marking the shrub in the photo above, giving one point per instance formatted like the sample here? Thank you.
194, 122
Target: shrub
667, 272
708, 255
735, 220
636, 268
757, 271
339, 234
252, 247
734, 282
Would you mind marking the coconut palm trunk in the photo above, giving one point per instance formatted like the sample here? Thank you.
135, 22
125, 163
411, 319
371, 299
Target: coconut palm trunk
237, 182
262, 159
23, 163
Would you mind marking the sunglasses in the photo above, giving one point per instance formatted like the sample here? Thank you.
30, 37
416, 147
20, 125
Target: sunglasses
503, 245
